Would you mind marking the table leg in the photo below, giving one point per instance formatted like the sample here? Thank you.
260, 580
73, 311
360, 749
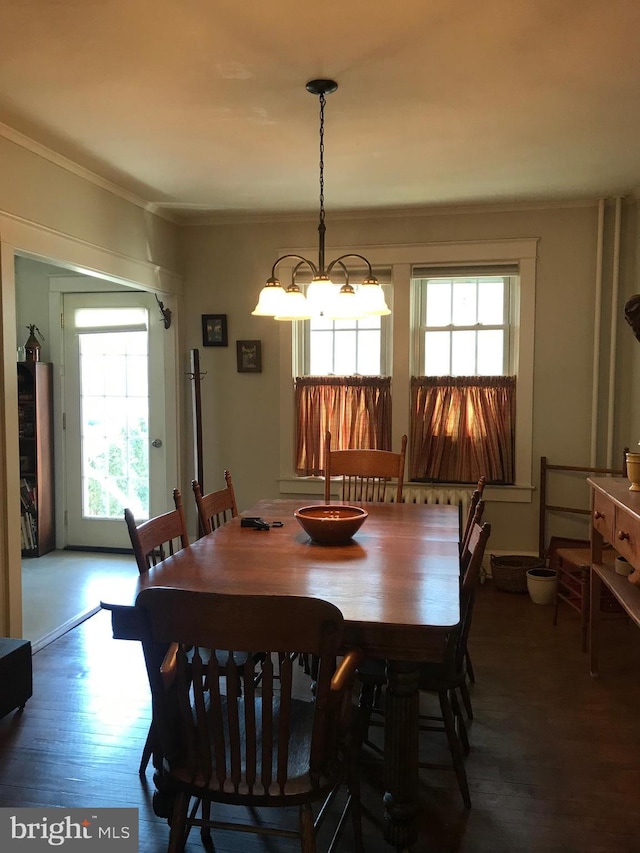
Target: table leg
401, 753
594, 621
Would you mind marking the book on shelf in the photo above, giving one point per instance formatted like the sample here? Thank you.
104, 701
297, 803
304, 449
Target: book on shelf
27, 496
28, 532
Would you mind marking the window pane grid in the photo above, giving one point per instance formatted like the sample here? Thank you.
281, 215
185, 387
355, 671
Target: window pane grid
114, 424
464, 326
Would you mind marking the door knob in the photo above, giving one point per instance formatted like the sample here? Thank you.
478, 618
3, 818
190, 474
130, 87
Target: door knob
157, 442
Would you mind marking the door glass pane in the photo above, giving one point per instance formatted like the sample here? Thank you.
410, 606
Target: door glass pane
114, 416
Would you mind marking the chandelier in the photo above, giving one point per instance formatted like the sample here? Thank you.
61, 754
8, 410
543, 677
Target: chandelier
324, 297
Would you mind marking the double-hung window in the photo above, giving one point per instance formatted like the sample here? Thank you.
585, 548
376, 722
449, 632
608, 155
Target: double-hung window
342, 386
463, 396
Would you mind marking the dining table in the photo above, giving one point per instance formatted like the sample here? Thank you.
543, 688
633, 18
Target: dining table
397, 583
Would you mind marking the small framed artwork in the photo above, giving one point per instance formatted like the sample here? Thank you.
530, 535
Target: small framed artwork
249, 356
214, 330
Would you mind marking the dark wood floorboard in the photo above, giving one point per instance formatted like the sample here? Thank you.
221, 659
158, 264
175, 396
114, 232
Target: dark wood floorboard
554, 765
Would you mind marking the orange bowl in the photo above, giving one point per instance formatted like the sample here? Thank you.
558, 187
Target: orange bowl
331, 524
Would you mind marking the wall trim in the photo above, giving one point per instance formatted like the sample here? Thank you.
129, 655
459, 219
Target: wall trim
51, 156
47, 244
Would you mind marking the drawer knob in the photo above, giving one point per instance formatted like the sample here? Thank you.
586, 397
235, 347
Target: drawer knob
622, 535
597, 514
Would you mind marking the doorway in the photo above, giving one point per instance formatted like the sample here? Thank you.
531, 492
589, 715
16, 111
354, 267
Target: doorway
113, 401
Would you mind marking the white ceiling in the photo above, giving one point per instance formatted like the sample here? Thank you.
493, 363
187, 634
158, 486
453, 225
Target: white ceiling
200, 106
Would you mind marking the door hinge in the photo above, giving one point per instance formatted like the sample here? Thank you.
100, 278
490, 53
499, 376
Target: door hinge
64, 420
66, 518
62, 319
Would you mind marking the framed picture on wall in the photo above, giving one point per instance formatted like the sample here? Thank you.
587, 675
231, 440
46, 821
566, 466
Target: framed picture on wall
214, 330
249, 356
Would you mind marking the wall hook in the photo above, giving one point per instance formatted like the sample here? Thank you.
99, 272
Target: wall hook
166, 313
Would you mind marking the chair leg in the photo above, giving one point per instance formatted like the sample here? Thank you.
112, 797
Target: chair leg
205, 831
586, 607
177, 836
458, 718
556, 600
307, 835
469, 667
466, 700
151, 749
454, 746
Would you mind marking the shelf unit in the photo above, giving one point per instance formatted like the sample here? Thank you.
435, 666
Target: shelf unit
35, 432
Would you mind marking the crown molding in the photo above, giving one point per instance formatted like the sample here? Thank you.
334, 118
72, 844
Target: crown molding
29, 144
194, 219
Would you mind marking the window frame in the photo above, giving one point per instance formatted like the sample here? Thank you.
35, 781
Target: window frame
401, 258
419, 286
301, 342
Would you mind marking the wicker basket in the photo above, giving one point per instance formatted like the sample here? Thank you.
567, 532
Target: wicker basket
510, 573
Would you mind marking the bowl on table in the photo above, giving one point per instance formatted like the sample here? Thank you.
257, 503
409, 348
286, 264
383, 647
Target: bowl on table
331, 524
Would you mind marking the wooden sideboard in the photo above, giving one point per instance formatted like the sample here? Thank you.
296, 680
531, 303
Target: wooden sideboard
615, 518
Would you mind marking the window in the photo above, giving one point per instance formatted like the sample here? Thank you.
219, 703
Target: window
326, 347
464, 324
341, 387
407, 262
345, 347
463, 401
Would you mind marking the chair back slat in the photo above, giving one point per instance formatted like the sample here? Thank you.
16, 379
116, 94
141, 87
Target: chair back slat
239, 738
478, 538
215, 508
467, 545
365, 473
153, 540
251, 757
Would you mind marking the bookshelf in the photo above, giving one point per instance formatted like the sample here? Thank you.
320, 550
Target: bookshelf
35, 433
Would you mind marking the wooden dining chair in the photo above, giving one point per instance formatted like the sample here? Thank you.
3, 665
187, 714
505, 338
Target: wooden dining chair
442, 677
263, 749
568, 556
215, 508
159, 537
466, 554
476, 498
365, 473
152, 541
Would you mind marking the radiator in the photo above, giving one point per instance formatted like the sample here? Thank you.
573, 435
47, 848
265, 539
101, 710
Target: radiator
457, 495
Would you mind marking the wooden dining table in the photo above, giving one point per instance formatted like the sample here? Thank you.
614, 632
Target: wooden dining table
396, 583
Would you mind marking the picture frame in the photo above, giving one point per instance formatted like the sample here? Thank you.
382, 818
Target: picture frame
214, 330
249, 355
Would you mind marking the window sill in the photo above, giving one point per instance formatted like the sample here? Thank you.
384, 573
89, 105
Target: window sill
492, 494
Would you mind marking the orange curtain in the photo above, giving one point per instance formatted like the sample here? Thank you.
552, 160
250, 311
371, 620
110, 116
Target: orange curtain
355, 409
463, 428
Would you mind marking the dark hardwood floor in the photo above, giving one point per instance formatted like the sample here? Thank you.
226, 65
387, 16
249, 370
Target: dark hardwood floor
554, 764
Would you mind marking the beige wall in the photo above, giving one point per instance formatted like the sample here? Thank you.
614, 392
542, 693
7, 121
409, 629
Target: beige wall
50, 212
225, 266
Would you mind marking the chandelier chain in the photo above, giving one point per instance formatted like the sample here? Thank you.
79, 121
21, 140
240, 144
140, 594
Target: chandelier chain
323, 101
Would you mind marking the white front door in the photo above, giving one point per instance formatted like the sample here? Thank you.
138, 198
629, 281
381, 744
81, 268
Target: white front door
115, 455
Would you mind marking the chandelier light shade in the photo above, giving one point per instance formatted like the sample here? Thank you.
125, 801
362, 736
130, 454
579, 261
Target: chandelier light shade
324, 298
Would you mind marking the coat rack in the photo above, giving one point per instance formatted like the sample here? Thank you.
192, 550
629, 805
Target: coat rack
195, 375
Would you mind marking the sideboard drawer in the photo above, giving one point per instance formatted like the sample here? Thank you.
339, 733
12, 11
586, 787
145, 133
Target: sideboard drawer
627, 536
604, 516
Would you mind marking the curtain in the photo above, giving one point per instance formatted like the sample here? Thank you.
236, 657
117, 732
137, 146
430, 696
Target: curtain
463, 428
355, 409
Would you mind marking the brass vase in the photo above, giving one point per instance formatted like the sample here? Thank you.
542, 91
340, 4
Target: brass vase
633, 471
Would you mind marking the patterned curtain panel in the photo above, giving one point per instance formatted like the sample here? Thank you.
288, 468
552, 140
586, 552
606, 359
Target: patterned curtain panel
463, 428
355, 409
